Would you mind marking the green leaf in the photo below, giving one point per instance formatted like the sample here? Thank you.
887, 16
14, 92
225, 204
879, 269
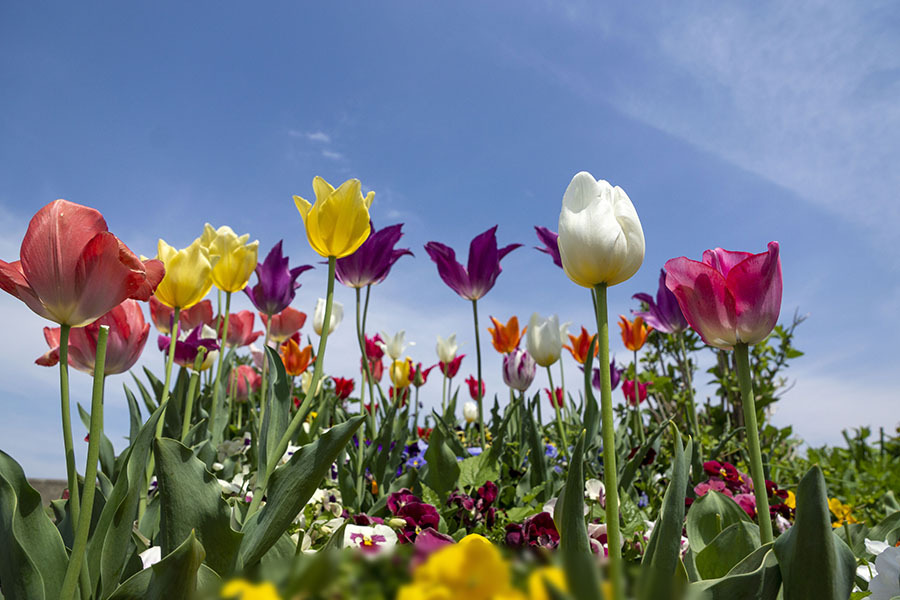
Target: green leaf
629, 469
727, 549
536, 460
591, 412
476, 470
663, 553
442, 471
582, 574
708, 516
107, 452
134, 415
278, 406
33, 558
815, 564
289, 489
887, 529
449, 435
181, 574
755, 578
191, 501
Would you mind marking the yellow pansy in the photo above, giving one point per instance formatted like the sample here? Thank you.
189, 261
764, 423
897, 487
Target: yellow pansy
400, 373
236, 259
791, 500
841, 511
188, 274
241, 589
338, 223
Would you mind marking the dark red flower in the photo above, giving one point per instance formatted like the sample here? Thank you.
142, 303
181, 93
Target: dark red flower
452, 368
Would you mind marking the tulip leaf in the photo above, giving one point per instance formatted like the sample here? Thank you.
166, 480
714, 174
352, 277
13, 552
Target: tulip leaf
289, 489
536, 459
756, 577
275, 421
107, 452
887, 530
582, 574
220, 395
110, 545
449, 435
191, 501
180, 574
591, 411
663, 553
497, 446
380, 450
708, 516
629, 469
149, 402
33, 557
442, 469
736, 542
814, 562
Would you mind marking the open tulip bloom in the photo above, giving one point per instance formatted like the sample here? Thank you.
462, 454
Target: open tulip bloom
372, 261
276, 282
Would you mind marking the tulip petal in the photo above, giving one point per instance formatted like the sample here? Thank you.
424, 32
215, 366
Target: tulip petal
724, 260
453, 273
757, 287
704, 299
13, 281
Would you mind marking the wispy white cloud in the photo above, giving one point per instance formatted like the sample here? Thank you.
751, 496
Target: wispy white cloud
330, 154
312, 136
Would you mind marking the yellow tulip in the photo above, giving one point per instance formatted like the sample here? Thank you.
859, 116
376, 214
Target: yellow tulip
338, 223
188, 274
236, 258
400, 373
241, 589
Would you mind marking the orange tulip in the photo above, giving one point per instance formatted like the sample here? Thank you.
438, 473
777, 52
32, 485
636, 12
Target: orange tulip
580, 345
506, 338
295, 360
634, 333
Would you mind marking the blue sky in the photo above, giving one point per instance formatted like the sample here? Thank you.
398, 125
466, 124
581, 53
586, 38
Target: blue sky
727, 125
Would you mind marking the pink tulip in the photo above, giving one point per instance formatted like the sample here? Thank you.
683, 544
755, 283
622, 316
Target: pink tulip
284, 324
243, 381
729, 297
240, 329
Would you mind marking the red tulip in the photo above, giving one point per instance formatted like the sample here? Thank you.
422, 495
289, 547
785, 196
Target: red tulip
244, 380
240, 329
729, 297
473, 387
343, 387
128, 333
556, 398
73, 270
188, 319
418, 376
628, 390
284, 324
452, 368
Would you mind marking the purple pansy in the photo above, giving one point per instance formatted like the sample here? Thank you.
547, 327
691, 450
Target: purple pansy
483, 267
277, 282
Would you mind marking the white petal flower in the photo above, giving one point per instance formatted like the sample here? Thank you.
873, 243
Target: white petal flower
446, 349
394, 346
886, 584
370, 540
544, 339
337, 315
150, 556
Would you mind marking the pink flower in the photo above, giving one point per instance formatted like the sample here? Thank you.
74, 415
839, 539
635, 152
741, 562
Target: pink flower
729, 297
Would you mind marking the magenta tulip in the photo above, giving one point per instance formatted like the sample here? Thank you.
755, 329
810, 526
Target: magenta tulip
729, 297
483, 267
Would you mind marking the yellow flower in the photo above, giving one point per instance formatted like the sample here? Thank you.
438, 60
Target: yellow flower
188, 274
400, 373
539, 580
236, 258
241, 589
841, 511
791, 500
338, 223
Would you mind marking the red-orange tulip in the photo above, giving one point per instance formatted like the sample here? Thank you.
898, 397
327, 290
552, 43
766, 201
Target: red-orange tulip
188, 319
506, 338
580, 345
634, 333
295, 360
73, 270
128, 333
284, 324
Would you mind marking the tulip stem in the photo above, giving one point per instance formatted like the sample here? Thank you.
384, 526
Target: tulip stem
169, 361
263, 477
83, 525
559, 422
742, 360
366, 381
191, 392
638, 420
478, 385
71, 472
562, 376
215, 431
607, 429
265, 371
689, 386
444, 396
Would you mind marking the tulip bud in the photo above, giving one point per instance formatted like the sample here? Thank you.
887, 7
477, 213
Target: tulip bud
394, 346
470, 412
337, 315
236, 259
518, 370
446, 349
544, 339
600, 235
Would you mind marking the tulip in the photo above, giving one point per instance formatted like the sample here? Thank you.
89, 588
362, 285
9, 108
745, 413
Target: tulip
579, 346
337, 316
240, 329
733, 299
394, 346
506, 338
555, 397
446, 349
663, 314
483, 267
600, 235
343, 387
163, 316
634, 333
372, 262
283, 324
235, 258
187, 347
296, 361
243, 381
73, 270
128, 332
306, 379
452, 368
544, 339
729, 297
550, 239
400, 372
475, 391
615, 375
338, 223
374, 347
518, 370
277, 283
419, 375
628, 391
188, 274
470, 411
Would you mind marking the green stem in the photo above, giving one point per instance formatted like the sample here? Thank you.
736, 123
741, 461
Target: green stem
416, 417
191, 392
71, 472
216, 392
300, 415
689, 385
444, 395
265, 370
366, 380
83, 525
478, 384
562, 376
169, 361
559, 422
742, 357
638, 421
608, 433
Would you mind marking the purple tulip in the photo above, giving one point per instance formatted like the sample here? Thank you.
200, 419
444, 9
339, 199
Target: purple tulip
186, 350
277, 283
372, 262
550, 239
664, 315
615, 375
483, 267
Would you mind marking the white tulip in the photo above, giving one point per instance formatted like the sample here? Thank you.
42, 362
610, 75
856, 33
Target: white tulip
337, 315
600, 235
394, 346
446, 349
470, 411
544, 339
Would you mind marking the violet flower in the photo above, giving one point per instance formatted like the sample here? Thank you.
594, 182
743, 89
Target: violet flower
483, 268
664, 314
372, 262
550, 239
186, 349
277, 283
615, 375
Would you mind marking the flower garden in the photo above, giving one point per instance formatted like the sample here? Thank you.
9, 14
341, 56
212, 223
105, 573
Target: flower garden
252, 472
